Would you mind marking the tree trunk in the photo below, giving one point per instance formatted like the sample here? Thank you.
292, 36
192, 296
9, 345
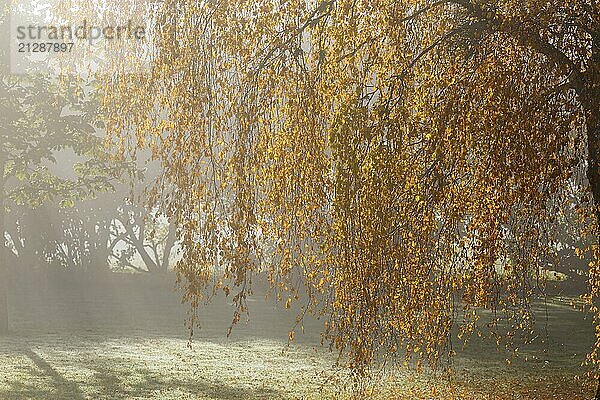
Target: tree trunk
169, 243
592, 114
593, 172
3, 266
3, 302
593, 142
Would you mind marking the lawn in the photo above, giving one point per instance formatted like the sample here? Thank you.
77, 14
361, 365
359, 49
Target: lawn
131, 344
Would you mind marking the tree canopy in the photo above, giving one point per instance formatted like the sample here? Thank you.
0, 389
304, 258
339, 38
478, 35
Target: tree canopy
44, 120
391, 164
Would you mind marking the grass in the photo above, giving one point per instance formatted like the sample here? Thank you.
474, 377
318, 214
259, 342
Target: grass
141, 366
96, 367
105, 341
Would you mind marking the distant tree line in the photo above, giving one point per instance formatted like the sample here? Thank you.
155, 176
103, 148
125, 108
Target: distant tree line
65, 201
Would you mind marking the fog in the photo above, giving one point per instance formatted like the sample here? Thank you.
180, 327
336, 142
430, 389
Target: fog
91, 306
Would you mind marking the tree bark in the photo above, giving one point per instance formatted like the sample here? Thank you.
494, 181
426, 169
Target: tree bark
593, 172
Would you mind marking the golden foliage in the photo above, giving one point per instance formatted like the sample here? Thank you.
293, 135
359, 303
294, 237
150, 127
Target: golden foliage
389, 164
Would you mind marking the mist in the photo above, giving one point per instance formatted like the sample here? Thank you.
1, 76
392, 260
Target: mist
326, 200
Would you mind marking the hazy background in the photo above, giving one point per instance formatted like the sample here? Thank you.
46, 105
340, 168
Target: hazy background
90, 294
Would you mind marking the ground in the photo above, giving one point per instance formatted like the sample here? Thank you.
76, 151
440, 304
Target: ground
87, 344
97, 367
142, 366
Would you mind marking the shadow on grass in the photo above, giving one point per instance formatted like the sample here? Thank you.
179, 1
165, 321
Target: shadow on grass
144, 383
42, 381
58, 386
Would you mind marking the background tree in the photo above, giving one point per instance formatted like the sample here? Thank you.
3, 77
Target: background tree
148, 235
112, 233
34, 129
41, 120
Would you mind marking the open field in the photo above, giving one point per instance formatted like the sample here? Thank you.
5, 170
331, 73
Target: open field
98, 367
88, 343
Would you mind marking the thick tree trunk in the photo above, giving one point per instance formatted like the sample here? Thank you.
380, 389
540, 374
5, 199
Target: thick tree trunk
593, 172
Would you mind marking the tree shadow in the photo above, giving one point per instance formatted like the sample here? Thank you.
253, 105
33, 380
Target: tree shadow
42, 381
59, 388
144, 383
